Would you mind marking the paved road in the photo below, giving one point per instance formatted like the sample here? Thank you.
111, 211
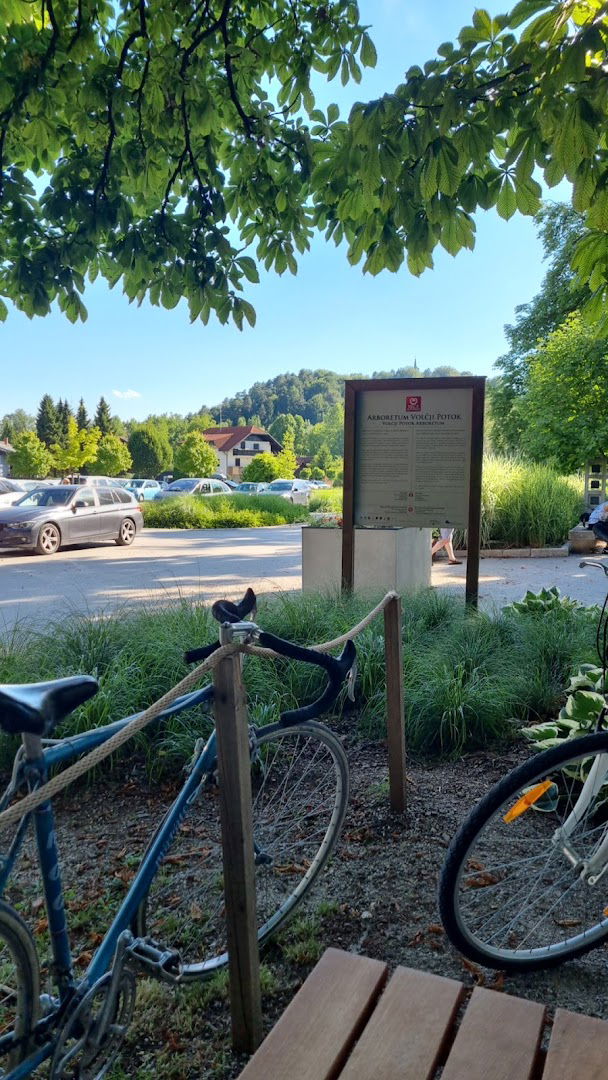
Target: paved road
161, 566
164, 565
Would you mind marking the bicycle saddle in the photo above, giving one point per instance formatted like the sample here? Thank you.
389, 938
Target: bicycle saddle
36, 708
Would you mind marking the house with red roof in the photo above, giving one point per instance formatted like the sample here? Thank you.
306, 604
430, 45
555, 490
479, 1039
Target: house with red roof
236, 446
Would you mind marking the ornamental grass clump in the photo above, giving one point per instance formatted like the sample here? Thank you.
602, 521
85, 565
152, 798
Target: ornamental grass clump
527, 505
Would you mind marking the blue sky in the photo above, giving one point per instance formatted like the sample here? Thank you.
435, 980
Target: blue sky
147, 359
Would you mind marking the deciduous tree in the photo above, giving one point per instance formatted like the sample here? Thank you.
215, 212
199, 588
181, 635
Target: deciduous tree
195, 457
150, 451
78, 449
32, 458
113, 457
261, 469
155, 125
565, 409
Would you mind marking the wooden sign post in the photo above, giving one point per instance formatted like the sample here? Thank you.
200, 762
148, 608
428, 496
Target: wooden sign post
412, 459
237, 848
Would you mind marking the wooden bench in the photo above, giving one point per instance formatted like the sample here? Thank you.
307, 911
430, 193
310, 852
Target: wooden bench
350, 1022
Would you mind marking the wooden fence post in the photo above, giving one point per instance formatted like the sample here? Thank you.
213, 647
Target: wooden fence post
393, 651
230, 709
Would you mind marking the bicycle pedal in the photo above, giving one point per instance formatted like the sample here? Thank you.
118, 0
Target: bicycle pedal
164, 963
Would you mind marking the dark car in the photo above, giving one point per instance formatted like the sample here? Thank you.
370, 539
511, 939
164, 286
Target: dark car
49, 518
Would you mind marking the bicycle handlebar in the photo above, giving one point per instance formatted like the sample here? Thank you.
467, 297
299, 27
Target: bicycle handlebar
592, 562
224, 611
337, 668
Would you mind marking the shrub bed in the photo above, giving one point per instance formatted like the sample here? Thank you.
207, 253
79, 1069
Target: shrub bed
522, 504
470, 679
221, 512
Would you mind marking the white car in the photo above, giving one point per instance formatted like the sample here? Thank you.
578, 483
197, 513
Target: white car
194, 485
10, 491
296, 491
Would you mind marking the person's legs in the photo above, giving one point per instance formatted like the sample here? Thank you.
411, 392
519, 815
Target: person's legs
600, 529
450, 550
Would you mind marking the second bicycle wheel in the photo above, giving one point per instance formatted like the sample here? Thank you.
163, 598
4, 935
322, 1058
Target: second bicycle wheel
19, 989
513, 894
299, 778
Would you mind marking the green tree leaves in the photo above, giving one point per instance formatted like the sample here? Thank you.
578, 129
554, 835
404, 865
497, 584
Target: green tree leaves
183, 146
194, 456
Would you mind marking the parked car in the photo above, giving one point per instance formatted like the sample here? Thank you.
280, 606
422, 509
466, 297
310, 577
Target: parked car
232, 484
143, 490
95, 481
31, 485
10, 491
248, 487
194, 485
48, 518
296, 491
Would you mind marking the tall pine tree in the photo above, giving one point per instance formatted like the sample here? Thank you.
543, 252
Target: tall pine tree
64, 413
82, 418
48, 429
103, 417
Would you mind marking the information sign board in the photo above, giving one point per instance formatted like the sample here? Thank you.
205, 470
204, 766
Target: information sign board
412, 458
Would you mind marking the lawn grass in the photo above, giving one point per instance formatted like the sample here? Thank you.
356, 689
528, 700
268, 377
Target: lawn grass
470, 679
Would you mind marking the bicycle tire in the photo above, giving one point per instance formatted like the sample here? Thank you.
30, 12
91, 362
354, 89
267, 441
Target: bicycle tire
20, 986
183, 908
538, 892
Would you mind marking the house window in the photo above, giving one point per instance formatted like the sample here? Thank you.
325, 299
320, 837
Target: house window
237, 462
256, 446
242, 446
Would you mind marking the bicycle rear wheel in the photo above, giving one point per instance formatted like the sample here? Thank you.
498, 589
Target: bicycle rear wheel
299, 778
19, 988
511, 894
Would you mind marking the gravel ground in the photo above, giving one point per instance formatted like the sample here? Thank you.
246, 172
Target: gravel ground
378, 897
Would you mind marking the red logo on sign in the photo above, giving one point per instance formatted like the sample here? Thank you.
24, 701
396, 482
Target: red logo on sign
413, 404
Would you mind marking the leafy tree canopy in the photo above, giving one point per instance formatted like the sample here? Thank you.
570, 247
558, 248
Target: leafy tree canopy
195, 457
113, 457
150, 450
77, 449
172, 138
261, 469
565, 409
13, 423
32, 459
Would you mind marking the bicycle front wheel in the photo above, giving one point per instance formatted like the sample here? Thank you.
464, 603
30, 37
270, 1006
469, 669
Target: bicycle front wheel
19, 989
299, 779
513, 893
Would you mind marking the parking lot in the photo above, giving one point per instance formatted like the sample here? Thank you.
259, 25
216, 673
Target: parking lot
165, 565
161, 566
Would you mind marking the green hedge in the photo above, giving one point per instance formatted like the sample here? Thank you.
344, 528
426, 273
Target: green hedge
221, 512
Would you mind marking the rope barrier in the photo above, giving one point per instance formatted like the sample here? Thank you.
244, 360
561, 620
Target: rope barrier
57, 783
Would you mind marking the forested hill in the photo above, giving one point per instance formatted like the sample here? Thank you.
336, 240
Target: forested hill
308, 394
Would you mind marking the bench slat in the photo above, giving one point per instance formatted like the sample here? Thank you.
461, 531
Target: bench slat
578, 1047
499, 1037
405, 1035
319, 1027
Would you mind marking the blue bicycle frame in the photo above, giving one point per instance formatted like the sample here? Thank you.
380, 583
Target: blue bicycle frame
44, 825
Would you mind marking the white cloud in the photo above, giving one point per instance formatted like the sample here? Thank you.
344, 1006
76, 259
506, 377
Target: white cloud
126, 393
